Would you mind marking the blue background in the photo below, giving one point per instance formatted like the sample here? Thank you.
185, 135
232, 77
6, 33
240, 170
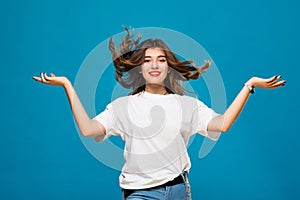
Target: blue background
42, 156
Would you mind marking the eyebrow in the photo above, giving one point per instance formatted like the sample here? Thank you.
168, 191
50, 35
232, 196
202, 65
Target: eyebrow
160, 56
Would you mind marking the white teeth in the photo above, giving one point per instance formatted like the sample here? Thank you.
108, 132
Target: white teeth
154, 73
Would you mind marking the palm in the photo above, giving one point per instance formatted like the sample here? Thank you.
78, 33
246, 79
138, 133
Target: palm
272, 82
51, 80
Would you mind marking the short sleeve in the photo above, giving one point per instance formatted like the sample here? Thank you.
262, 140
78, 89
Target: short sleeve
107, 119
201, 117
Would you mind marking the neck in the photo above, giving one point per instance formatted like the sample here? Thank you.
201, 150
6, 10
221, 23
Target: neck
156, 89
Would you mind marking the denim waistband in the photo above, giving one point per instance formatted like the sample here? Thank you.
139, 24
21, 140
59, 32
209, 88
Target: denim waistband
177, 180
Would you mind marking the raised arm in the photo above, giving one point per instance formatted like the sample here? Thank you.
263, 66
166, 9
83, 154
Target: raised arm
222, 123
87, 126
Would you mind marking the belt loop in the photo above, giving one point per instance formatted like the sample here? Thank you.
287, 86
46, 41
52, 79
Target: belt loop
185, 178
184, 175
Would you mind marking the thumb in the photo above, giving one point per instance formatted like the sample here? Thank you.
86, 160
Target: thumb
52, 75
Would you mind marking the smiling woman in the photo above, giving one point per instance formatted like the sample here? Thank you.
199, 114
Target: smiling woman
156, 120
155, 67
150, 55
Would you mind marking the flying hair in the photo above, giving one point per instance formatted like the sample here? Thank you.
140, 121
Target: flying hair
130, 56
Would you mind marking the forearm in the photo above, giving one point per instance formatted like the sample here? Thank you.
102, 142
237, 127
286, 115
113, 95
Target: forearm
235, 108
87, 126
223, 122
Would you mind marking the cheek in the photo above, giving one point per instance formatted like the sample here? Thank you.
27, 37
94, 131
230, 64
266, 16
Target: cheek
144, 71
166, 68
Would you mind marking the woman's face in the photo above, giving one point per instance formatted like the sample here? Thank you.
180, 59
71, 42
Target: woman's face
155, 66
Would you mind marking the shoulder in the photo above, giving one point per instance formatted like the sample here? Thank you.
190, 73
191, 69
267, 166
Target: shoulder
121, 99
188, 99
191, 102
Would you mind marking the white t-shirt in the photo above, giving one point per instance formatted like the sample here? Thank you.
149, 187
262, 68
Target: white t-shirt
156, 129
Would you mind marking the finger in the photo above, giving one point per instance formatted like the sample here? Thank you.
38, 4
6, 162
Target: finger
37, 78
42, 77
47, 78
270, 80
52, 75
273, 82
278, 84
276, 79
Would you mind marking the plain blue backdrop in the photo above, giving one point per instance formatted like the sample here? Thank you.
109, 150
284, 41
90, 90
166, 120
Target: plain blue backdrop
42, 156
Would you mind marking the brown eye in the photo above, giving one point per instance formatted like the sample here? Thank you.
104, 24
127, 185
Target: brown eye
146, 60
162, 60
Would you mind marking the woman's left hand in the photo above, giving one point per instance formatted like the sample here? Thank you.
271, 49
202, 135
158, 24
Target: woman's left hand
272, 82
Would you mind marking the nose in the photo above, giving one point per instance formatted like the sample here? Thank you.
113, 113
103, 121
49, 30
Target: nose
154, 65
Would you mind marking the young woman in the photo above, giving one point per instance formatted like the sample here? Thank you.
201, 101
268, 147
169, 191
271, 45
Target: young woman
157, 118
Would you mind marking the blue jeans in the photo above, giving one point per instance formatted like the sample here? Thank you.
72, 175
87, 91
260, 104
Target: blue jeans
180, 191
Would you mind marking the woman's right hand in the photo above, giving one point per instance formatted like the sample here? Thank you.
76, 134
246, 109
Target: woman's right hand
52, 79
87, 126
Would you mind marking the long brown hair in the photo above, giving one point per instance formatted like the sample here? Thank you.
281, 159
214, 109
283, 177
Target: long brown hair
131, 56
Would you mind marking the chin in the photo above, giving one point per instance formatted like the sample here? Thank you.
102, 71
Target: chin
159, 81
155, 82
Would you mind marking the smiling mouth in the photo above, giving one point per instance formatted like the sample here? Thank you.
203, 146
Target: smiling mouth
154, 74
